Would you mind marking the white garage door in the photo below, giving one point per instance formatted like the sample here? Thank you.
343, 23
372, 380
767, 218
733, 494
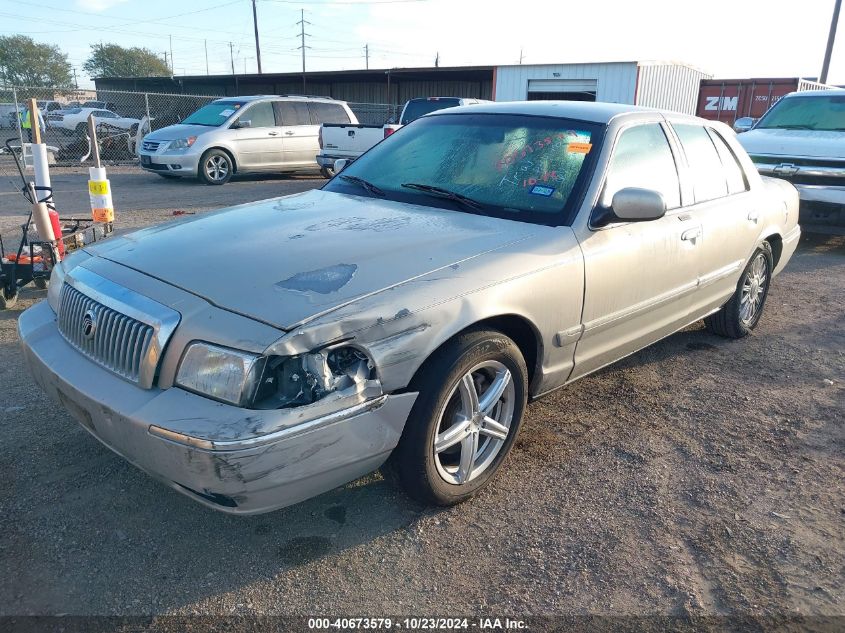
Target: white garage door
565, 89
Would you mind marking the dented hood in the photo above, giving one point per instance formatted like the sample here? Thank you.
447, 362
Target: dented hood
287, 260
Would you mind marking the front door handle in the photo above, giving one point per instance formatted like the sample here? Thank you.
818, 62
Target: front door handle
273, 133
289, 132
690, 235
753, 216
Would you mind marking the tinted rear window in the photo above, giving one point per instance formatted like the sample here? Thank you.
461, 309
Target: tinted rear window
327, 113
292, 113
418, 107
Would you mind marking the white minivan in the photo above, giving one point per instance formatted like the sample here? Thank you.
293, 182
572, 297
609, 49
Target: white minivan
260, 133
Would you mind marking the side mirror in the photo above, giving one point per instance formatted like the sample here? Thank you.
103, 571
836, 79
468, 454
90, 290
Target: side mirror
243, 123
340, 164
744, 124
634, 204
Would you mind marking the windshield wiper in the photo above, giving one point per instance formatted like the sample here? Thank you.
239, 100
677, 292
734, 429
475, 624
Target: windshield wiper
791, 127
365, 184
440, 192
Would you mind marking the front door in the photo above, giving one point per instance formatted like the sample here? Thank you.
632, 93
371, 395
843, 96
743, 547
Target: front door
639, 276
257, 139
300, 135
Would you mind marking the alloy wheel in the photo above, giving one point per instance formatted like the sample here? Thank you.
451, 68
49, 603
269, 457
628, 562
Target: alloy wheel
754, 288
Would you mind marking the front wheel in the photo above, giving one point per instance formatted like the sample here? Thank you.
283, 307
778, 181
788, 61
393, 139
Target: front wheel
742, 312
215, 167
472, 396
7, 299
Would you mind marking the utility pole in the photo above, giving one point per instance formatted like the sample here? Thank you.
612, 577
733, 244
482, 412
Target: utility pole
166, 63
302, 34
367, 56
257, 47
520, 56
437, 60
206, 56
171, 55
75, 82
232, 58
830, 38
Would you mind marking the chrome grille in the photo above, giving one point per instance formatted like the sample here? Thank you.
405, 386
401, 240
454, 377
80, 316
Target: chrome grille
150, 146
115, 341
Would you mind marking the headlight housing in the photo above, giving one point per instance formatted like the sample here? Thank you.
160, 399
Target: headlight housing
54, 290
180, 144
270, 382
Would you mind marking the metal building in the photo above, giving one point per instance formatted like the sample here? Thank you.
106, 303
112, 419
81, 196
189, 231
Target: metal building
655, 84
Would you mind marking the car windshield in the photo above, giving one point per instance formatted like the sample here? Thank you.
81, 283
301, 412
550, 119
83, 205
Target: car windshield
807, 113
416, 108
214, 114
521, 167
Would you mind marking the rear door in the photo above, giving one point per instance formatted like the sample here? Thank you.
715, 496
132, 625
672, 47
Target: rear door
258, 146
301, 144
639, 276
726, 208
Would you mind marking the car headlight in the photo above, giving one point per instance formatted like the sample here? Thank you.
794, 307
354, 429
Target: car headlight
270, 382
54, 290
180, 144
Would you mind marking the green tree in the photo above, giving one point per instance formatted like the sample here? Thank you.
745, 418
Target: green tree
25, 62
112, 60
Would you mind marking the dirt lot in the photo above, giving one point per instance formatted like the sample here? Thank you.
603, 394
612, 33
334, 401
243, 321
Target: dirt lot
700, 476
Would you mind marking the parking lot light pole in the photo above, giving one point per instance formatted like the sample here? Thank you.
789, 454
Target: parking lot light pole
830, 39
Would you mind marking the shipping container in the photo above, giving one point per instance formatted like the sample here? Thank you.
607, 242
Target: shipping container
727, 100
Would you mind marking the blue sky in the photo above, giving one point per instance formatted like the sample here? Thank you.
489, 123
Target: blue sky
729, 38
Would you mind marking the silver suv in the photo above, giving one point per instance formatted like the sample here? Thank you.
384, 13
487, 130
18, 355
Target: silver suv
243, 134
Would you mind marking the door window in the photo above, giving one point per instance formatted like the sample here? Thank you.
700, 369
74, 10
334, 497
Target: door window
734, 174
260, 115
327, 113
706, 170
292, 113
642, 158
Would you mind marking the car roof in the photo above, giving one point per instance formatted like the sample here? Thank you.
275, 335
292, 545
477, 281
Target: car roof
251, 98
595, 111
832, 92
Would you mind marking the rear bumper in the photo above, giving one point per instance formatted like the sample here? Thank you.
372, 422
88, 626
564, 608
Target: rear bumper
243, 474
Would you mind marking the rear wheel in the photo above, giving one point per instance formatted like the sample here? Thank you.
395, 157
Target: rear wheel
215, 167
742, 312
472, 396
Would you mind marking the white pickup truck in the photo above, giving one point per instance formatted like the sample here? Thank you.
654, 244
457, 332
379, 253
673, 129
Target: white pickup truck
801, 139
350, 140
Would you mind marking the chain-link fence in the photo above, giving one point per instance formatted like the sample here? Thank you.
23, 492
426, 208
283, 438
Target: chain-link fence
123, 118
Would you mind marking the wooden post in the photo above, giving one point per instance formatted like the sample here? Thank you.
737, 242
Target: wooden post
34, 122
92, 134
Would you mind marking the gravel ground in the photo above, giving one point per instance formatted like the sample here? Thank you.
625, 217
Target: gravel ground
700, 476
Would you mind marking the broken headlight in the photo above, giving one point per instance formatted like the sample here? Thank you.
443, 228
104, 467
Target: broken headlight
270, 382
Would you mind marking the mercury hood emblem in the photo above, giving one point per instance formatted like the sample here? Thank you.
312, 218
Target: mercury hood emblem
89, 324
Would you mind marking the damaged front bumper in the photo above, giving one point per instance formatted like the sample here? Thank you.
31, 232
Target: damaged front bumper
236, 460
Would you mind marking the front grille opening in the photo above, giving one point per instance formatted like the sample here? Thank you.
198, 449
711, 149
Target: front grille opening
214, 497
111, 339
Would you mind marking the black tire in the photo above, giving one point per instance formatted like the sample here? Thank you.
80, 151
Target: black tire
41, 283
7, 300
327, 172
733, 320
413, 463
207, 169
81, 129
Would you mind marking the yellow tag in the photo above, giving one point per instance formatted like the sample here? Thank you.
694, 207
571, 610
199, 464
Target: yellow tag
579, 148
98, 187
103, 215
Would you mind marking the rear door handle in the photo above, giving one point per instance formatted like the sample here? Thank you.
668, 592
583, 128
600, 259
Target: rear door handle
753, 216
273, 133
289, 132
690, 235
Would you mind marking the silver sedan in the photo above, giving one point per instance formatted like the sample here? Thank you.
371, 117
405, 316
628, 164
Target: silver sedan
403, 316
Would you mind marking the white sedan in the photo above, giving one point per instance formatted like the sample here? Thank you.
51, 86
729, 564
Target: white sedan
76, 119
